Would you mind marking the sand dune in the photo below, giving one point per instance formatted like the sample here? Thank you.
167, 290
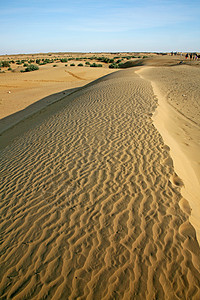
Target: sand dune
90, 202
178, 121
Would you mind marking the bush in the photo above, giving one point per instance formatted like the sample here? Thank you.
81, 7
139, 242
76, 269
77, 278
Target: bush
72, 65
87, 63
96, 65
9, 69
113, 66
5, 64
25, 65
55, 66
38, 61
63, 60
80, 65
66, 65
31, 68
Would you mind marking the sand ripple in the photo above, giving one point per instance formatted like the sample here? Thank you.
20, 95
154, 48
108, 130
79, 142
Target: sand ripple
89, 206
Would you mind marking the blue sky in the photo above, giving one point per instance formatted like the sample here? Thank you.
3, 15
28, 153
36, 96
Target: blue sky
121, 25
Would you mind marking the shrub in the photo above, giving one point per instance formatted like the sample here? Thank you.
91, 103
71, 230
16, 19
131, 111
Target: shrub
55, 66
63, 60
31, 68
38, 61
9, 69
96, 65
5, 64
66, 65
113, 66
80, 65
25, 64
120, 65
87, 63
72, 65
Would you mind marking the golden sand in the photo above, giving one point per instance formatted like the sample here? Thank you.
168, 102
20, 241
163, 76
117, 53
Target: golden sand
90, 200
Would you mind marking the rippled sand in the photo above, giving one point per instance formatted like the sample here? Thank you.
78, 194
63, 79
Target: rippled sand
90, 202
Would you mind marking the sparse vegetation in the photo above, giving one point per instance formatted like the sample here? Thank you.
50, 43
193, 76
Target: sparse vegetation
5, 64
72, 65
80, 65
31, 68
96, 65
113, 66
63, 60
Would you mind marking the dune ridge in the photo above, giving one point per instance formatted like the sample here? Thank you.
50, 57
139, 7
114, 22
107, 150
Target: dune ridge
89, 209
178, 120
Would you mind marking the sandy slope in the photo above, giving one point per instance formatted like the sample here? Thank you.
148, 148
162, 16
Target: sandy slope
178, 120
19, 91
90, 202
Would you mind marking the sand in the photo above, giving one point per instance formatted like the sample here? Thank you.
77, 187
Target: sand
22, 94
92, 207
178, 120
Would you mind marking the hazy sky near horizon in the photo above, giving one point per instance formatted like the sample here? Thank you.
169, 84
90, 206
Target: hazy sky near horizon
29, 26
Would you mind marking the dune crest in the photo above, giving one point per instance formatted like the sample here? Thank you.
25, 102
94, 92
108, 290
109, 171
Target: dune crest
178, 119
88, 208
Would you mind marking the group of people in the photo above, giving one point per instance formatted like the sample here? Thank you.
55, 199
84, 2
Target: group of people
193, 56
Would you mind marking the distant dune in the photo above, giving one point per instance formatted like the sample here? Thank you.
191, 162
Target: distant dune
92, 205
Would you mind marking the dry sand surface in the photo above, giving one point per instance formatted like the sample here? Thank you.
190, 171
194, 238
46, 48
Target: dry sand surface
91, 203
19, 91
178, 120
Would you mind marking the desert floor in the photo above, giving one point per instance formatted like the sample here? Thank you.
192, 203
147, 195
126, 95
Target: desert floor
100, 185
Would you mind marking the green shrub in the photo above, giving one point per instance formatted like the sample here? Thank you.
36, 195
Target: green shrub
5, 64
66, 65
80, 65
120, 65
96, 65
72, 65
31, 68
113, 66
87, 63
9, 69
38, 61
63, 60
25, 64
55, 66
